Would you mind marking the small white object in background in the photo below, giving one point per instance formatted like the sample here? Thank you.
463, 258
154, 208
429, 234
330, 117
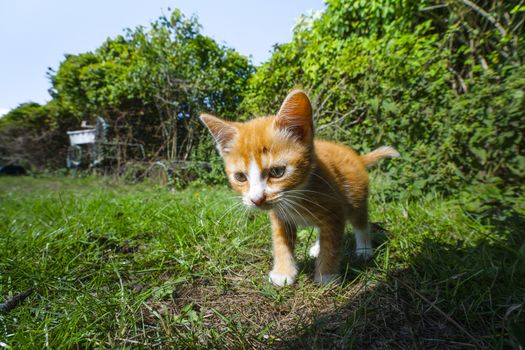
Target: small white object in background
84, 124
81, 137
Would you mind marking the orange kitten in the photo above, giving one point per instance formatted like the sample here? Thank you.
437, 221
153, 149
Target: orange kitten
277, 165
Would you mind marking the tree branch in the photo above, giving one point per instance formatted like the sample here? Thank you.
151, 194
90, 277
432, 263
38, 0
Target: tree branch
12, 302
486, 15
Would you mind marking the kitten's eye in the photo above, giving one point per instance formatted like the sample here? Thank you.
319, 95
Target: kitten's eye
277, 171
240, 177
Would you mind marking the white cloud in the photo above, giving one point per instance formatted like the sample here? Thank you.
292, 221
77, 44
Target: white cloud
3, 111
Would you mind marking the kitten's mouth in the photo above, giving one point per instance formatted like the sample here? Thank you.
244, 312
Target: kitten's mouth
268, 205
264, 206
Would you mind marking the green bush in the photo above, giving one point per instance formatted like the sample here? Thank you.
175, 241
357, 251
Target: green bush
442, 81
387, 72
150, 85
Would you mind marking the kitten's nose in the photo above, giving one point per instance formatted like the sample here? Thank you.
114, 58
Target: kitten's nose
258, 201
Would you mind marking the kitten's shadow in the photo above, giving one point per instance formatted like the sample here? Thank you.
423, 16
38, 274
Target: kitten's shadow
350, 262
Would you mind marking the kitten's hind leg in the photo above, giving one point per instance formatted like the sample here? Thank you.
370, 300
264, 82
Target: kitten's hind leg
330, 244
363, 242
314, 250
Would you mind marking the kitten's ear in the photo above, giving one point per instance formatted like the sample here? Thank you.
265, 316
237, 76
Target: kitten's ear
295, 116
222, 131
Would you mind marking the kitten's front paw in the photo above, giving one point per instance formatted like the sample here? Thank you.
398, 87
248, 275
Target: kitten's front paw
327, 278
314, 250
364, 253
280, 279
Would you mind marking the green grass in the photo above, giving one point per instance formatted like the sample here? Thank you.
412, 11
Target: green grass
138, 266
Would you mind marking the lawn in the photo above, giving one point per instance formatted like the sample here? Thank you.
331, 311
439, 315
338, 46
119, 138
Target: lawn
115, 265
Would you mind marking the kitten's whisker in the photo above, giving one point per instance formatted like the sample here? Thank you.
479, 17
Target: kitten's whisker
287, 217
287, 224
291, 204
284, 215
324, 180
304, 208
324, 212
301, 191
290, 217
245, 216
232, 207
314, 203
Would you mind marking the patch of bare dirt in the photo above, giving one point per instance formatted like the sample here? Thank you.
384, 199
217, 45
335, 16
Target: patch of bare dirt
246, 316
384, 315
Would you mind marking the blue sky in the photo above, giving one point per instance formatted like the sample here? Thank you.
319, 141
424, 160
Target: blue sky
35, 34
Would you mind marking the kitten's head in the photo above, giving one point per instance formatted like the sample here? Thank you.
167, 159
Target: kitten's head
267, 156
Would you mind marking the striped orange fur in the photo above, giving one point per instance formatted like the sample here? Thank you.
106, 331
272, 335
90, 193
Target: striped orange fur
275, 163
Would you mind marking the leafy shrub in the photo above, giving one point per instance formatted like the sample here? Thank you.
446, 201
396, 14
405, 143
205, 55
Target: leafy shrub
442, 81
448, 96
150, 84
34, 136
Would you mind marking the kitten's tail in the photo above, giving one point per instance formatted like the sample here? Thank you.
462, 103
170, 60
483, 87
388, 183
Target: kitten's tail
373, 157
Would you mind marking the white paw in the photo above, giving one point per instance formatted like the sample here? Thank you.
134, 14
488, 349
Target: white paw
280, 279
327, 278
314, 250
364, 253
